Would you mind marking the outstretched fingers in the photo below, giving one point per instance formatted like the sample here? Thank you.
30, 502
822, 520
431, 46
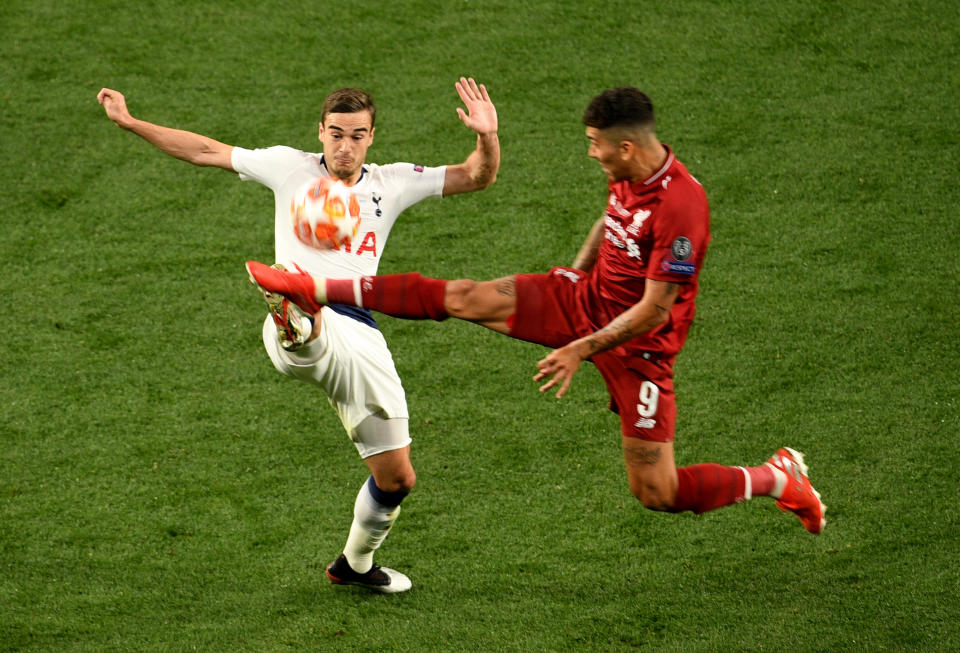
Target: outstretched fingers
558, 367
470, 91
480, 114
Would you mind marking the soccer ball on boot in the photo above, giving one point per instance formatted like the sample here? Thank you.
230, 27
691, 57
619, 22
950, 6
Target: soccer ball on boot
325, 214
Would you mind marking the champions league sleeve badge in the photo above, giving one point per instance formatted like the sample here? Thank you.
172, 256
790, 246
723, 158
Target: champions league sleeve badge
681, 249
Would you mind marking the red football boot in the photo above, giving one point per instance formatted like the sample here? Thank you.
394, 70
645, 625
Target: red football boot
298, 287
798, 495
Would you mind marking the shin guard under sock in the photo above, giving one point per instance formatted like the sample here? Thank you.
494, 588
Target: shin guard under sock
409, 296
709, 486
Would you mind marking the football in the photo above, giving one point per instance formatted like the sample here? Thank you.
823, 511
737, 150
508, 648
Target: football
325, 214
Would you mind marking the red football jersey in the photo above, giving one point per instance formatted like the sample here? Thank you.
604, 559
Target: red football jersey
657, 229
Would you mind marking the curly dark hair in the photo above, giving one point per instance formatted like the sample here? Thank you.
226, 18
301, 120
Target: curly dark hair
625, 106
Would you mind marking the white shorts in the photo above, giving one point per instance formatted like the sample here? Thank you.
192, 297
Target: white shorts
351, 363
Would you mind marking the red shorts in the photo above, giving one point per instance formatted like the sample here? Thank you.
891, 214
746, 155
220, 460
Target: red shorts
640, 386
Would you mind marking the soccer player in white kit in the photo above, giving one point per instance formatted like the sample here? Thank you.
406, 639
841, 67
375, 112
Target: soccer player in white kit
340, 348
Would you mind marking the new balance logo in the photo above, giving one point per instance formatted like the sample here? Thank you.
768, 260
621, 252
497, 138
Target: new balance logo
569, 274
645, 423
791, 468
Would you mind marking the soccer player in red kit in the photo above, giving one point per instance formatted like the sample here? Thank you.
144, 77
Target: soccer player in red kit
626, 304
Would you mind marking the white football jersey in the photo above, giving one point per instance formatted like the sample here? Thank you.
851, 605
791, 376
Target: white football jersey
383, 192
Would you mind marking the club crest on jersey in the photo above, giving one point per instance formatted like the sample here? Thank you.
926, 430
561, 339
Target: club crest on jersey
638, 219
418, 168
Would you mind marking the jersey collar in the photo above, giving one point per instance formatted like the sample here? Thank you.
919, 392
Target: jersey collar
655, 177
363, 169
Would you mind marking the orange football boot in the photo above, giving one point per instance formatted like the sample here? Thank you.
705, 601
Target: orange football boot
798, 495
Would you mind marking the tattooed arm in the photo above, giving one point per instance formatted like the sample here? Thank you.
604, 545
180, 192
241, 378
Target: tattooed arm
651, 311
480, 168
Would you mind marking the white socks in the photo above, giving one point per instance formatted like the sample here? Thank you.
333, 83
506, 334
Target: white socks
779, 484
371, 523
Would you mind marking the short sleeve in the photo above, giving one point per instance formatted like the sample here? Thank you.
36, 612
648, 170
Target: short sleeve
680, 239
415, 182
268, 166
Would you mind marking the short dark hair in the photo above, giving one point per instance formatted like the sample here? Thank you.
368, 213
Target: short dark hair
626, 107
349, 100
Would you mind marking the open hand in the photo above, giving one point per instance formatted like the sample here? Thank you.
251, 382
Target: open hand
560, 364
481, 115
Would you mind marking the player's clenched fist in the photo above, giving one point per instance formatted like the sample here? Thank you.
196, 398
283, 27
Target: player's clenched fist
114, 104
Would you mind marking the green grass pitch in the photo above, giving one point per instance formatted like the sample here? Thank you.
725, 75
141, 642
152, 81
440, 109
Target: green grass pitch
163, 489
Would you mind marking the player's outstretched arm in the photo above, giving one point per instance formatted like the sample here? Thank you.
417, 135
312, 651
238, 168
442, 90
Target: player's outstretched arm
479, 171
187, 146
651, 311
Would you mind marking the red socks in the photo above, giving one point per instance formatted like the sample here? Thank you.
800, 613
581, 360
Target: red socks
763, 479
409, 296
709, 486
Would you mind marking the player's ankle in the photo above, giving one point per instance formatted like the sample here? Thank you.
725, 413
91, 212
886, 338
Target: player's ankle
361, 563
763, 480
779, 482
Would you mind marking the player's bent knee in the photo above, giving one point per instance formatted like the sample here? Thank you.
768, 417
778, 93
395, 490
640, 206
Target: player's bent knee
654, 501
395, 482
395, 478
654, 496
405, 482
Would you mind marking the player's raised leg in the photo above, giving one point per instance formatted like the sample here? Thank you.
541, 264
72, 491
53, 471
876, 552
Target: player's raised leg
707, 486
702, 487
410, 295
